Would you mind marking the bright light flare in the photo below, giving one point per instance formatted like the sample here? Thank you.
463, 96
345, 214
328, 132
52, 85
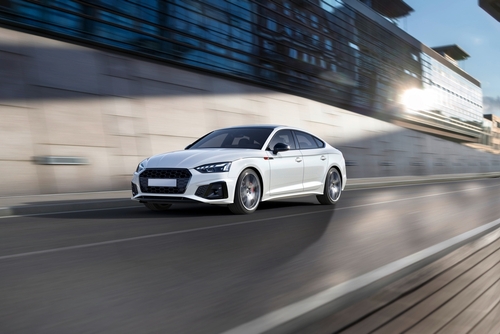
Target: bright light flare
417, 99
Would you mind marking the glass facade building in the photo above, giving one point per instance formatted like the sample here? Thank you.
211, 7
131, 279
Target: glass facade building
449, 99
338, 52
453, 96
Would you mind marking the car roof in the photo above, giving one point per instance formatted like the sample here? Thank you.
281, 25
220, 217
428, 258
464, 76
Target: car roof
257, 126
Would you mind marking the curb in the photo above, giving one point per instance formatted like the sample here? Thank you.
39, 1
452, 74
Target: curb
299, 315
365, 183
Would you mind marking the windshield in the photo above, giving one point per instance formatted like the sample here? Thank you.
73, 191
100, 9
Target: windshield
252, 138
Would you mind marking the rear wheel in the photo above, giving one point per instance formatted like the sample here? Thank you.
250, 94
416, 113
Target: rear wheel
332, 189
247, 193
157, 206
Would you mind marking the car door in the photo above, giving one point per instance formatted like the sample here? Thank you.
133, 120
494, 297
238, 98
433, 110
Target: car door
286, 167
315, 161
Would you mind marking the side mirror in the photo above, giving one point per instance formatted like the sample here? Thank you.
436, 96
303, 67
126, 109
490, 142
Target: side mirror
280, 147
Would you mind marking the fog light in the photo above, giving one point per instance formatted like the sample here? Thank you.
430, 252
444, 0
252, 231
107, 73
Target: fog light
216, 190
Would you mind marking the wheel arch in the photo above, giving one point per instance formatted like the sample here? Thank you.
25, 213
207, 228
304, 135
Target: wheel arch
343, 177
257, 167
256, 170
239, 204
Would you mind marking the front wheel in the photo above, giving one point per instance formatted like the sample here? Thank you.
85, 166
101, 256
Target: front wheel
157, 206
247, 193
332, 189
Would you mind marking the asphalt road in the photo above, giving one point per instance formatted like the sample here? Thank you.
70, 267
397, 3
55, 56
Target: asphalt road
200, 269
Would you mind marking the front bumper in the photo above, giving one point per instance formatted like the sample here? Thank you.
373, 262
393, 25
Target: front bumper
213, 188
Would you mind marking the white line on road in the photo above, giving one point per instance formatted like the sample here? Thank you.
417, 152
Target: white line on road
288, 313
149, 236
345, 208
71, 211
273, 320
417, 197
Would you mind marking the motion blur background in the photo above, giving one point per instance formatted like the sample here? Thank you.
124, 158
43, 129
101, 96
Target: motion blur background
90, 88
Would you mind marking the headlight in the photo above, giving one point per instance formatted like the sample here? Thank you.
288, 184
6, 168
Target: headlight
141, 166
214, 168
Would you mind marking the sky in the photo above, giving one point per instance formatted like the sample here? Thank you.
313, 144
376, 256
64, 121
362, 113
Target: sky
464, 23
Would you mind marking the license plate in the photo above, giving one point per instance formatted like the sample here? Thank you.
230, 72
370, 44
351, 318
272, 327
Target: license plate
162, 182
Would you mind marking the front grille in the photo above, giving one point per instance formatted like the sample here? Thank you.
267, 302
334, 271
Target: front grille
181, 175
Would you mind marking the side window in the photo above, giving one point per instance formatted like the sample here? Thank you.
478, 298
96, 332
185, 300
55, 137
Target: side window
306, 141
282, 136
319, 142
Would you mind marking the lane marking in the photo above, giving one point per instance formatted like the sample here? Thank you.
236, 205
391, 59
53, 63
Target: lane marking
292, 311
416, 197
149, 236
288, 313
344, 208
73, 211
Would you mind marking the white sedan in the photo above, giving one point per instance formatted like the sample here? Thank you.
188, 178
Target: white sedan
240, 167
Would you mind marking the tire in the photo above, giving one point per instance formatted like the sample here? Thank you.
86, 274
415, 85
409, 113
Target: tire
247, 193
332, 189
157, 206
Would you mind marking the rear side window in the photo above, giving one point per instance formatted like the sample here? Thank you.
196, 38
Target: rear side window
319, 142
307, 141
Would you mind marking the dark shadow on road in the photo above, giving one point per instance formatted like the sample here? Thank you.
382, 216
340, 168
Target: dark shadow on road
131, 209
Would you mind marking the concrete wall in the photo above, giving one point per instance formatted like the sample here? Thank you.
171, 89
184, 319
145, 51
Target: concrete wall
58, 99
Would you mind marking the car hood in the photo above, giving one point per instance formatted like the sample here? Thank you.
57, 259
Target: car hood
195, 158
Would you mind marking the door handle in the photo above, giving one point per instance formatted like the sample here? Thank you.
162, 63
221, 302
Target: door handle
323, 157
298, 159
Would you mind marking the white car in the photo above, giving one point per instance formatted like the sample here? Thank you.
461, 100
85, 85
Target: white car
240, 167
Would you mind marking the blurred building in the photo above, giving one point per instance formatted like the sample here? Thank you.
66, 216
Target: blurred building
349, 53
490, 141
495, 132
492, 7
484, 143
449, 103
